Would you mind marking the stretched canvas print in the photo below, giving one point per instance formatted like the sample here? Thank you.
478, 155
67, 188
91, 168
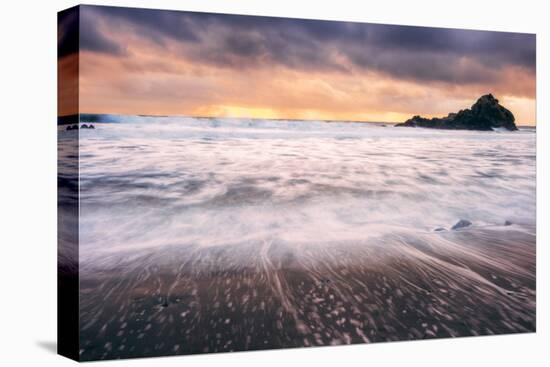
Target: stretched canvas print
234, 183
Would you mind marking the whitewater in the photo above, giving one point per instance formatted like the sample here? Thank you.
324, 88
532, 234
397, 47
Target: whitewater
204, 234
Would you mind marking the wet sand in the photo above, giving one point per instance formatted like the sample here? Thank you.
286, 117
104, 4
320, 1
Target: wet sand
250, 296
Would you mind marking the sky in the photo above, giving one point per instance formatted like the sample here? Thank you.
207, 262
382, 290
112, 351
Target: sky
158, 62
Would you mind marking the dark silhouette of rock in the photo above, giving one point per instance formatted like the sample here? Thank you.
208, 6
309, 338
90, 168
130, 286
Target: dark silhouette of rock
463, 223
439, 229
507, 223
486, 114
72, 127
85, 126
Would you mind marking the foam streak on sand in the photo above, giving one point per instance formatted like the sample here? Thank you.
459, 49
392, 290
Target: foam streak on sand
201, 235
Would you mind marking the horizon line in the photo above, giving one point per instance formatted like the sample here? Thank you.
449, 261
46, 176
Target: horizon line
534, 124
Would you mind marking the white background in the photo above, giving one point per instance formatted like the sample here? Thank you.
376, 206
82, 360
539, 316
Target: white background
28, 183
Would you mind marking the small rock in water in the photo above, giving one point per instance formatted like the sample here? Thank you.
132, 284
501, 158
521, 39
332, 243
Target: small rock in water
508, 223
439, 229
462, 224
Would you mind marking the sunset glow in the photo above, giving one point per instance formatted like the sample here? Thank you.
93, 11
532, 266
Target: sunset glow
197, 64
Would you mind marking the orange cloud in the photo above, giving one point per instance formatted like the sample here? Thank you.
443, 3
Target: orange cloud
67, 85
142, 85
134, 68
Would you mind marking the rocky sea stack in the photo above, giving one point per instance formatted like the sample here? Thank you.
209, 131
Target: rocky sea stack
486, 114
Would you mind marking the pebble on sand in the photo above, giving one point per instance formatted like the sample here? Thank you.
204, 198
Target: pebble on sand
463, 223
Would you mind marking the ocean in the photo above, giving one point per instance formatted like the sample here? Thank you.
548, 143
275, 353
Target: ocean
204, 234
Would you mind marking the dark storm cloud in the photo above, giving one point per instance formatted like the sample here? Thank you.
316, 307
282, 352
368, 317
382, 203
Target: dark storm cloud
493, 47
79, 30
149, 23
415, 53
92, 39
67, 29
